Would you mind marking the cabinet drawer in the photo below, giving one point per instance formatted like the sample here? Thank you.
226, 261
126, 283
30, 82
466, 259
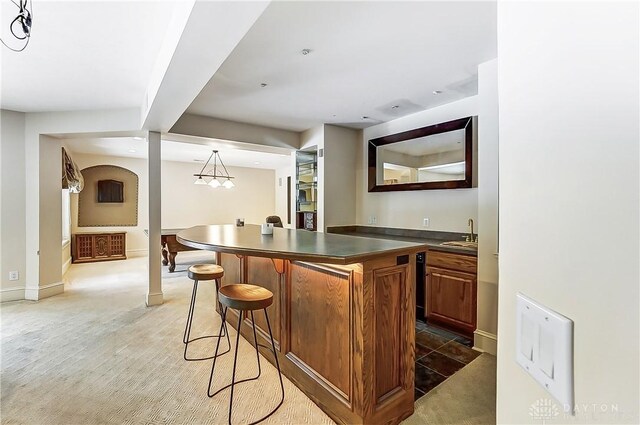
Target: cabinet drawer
447, 260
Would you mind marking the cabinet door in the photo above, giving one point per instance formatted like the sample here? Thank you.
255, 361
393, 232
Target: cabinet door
451, 297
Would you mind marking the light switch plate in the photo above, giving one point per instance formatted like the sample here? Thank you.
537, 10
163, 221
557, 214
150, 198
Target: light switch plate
544, 348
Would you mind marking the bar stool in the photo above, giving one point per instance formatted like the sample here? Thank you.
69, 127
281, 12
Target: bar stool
197, 273
243, 297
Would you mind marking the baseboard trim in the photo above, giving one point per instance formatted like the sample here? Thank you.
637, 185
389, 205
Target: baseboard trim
137, 253
154, 299
485, 342
12, 294
44, 291
66, 266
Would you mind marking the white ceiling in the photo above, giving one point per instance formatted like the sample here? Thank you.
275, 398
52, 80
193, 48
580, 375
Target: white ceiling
83, 55
365, 58
179, 151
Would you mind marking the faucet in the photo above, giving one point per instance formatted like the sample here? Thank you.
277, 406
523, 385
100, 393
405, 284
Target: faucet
470, 237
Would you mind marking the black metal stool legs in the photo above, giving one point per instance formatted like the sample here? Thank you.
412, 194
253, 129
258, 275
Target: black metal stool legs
187, 330
235, 360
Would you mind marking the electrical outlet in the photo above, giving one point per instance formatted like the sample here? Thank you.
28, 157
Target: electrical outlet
14, 275
373, 219
425, 222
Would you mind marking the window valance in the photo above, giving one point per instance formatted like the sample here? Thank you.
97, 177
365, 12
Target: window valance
71, 176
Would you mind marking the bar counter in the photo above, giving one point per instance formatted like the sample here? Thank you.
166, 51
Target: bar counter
343, 315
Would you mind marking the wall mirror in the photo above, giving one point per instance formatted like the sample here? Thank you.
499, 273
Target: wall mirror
438, 156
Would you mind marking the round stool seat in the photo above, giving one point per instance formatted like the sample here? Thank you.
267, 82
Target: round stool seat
241, 296
205, 272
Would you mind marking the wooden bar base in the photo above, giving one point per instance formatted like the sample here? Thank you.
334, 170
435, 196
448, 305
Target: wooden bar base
345, 334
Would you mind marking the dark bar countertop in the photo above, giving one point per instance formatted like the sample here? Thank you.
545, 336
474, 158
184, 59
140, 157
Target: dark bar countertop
301, 245
433, 239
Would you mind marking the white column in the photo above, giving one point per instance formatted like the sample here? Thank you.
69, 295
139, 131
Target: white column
154, 294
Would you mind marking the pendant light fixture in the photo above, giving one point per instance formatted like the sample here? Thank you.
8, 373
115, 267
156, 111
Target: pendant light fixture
20, 26
215, 174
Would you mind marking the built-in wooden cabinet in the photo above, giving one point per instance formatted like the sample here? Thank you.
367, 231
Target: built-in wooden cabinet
451, 295
103, 246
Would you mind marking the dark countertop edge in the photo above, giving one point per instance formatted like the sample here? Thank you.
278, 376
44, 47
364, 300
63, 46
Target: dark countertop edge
311, 258
432, 239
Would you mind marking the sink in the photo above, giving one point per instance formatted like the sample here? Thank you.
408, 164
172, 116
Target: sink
463, 244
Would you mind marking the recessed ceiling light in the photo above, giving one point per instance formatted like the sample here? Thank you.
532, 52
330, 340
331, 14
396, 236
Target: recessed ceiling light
263, 84
138, 138
364, 117
305, 52
395, 106
257, 162
437, 91
133, 150
334, 115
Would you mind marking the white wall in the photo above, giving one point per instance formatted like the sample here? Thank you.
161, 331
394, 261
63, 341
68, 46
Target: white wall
43, 123
183, 203
569, 197
50, 210
12, 218
485, 335
447, 209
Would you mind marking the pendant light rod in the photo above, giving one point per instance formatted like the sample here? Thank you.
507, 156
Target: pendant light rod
216, 156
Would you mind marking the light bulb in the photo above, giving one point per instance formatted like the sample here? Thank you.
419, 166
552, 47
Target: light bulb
214, 183
228, 184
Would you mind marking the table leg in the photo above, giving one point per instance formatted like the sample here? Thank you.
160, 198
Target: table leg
172, 261
165, 253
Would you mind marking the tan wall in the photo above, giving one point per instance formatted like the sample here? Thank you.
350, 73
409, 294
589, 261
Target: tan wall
136, 239
185, 204
92, 213
340, 151
12, 201
569, 198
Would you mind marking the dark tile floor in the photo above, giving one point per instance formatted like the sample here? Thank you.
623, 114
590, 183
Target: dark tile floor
439, 354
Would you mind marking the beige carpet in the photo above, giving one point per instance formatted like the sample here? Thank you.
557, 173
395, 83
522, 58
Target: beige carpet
97, 355
467, 398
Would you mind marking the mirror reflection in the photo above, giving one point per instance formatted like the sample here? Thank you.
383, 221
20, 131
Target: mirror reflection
438, 156
432, 158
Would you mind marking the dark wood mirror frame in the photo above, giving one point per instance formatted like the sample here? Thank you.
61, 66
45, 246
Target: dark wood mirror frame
459, 124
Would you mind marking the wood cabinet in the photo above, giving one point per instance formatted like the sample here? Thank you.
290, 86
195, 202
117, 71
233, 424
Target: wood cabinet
451, 295
103, 246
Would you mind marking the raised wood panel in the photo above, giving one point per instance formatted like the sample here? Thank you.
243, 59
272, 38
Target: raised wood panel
320, 324
389, 291
447, 260
232, 265
452, 297
262, 272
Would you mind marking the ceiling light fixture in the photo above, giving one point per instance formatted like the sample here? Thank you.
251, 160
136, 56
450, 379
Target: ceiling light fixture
263, 85
436, 91
305, 52
364, 117
22, 31
395, 106
133, 150
213, 173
